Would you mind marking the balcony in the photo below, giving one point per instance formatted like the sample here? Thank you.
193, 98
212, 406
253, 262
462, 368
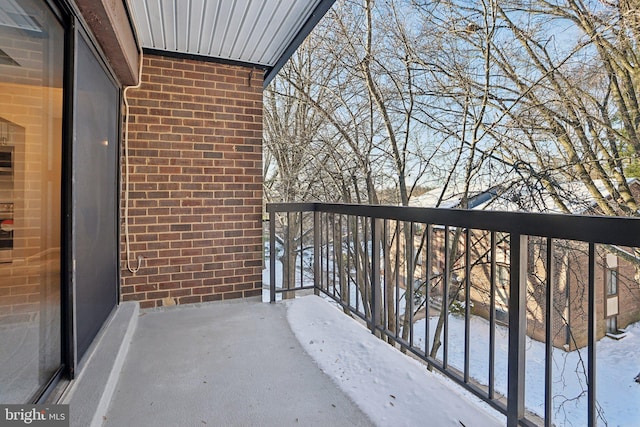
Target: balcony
244, 362
483, 280
467, 292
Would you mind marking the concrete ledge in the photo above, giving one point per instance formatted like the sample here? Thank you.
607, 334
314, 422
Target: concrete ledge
90, 394
198, 305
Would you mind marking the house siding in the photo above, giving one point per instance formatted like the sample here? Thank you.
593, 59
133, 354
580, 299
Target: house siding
195, 200
572, 302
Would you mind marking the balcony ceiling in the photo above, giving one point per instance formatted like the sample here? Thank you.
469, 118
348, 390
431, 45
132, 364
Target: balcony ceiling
262, 33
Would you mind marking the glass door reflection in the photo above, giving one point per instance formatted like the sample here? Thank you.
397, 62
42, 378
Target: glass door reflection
31, 70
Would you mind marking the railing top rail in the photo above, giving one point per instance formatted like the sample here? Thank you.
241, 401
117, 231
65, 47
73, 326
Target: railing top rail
620, 231
292, 207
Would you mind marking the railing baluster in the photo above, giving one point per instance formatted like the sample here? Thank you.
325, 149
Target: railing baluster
397, 280
272, 257
317, 241
301, 250
321, 244
591, 349
492, 318
409, 286
548, 360
357, 262
334, 256
517, 329
427, 289
375, 272
328, 245
467, 302
324, 253
337, 245
446, 278
367, 264
385, 282
287, 266
348, 251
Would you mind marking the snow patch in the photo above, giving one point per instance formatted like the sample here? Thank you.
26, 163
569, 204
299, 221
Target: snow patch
390, 387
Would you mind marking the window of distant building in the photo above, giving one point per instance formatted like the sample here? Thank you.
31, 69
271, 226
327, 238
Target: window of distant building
612, 281
611, 288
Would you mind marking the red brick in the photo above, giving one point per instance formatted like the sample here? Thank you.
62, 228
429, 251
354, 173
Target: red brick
189, 300
196, 162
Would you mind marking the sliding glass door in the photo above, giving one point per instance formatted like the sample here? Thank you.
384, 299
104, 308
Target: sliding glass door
32, 52
59, 195
95, 195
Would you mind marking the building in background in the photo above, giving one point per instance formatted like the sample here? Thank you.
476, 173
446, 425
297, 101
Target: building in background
617, 277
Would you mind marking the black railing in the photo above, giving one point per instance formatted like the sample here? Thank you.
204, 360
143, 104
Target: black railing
530, 276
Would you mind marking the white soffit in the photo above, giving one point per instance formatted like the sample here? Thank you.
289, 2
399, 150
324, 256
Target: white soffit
250, 31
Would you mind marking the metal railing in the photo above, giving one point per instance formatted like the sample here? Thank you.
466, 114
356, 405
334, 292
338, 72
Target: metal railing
414, 275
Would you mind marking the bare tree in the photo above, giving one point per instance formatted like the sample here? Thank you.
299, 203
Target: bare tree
534, 98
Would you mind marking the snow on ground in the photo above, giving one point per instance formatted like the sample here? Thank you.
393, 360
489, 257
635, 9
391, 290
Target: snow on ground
391, 388
265, 283
617, 363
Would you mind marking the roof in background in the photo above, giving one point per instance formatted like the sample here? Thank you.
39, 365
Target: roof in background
263, 34
452, 198
575, 195
519, 198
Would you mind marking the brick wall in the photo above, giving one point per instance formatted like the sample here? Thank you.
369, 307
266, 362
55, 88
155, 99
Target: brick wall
195, 201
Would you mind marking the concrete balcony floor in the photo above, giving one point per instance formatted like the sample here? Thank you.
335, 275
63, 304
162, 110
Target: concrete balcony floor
221, 364
237, 363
